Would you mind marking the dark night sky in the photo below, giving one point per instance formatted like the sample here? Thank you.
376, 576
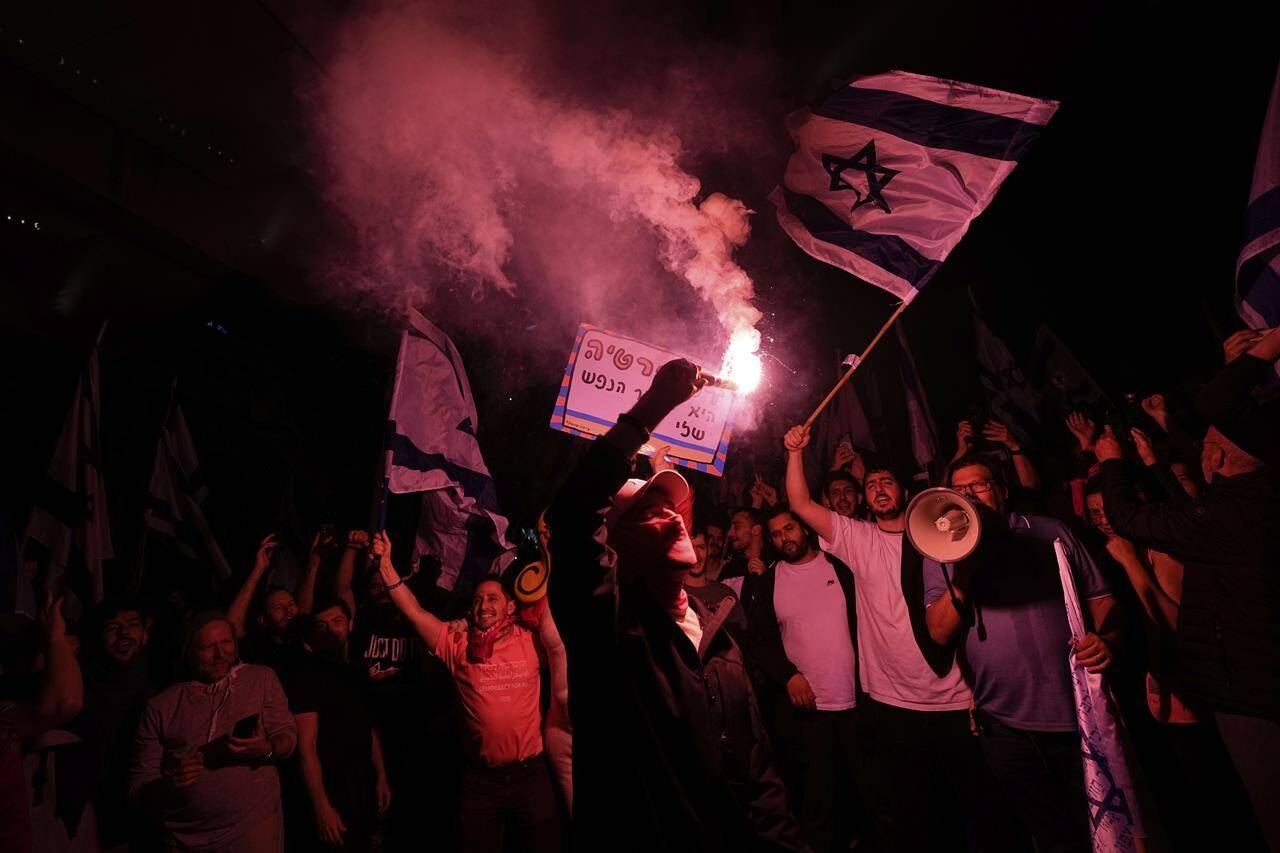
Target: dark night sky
165, 178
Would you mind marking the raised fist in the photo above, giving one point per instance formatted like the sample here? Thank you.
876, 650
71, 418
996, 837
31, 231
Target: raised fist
796, 439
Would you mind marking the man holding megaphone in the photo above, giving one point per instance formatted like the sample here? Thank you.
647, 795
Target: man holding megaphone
1002, 605
913, 706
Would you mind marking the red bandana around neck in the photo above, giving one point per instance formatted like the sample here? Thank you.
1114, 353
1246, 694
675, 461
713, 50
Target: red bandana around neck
480, 642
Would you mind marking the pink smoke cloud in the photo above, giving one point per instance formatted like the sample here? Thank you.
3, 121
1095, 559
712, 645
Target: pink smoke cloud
457, 159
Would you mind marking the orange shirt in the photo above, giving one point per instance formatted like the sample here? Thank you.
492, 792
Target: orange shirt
501, 698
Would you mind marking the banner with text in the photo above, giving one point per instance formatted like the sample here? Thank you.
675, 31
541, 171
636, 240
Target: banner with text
607, 373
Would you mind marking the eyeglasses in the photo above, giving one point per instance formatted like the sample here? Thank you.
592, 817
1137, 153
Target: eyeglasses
977, 487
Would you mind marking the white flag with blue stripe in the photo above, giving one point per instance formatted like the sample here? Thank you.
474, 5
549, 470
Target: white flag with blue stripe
890, 170
1115, 822
433, 449
1258, 264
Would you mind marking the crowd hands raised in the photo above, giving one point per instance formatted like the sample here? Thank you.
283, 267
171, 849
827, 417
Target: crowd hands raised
773, 667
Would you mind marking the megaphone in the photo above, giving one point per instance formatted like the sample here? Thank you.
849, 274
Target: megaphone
943, 525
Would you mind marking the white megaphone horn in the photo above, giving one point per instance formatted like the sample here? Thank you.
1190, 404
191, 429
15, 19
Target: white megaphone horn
943, 525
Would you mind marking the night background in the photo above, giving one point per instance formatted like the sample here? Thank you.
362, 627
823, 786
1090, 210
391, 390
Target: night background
164, 151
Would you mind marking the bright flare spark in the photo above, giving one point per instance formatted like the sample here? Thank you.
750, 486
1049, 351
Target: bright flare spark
742, 366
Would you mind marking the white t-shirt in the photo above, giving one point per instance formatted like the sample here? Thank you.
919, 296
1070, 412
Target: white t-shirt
893, 669
814, 621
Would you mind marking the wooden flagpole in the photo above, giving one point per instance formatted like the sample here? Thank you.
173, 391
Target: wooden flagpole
902, 306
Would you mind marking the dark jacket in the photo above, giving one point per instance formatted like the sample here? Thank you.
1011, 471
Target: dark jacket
669, 750
1227, 647
764, 636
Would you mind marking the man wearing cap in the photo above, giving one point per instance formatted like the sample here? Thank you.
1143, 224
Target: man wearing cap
1228, 637
669, 751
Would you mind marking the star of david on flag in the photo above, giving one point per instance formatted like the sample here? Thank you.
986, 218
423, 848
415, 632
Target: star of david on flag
889, 171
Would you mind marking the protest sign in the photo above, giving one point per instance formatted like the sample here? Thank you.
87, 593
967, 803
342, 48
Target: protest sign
605, 376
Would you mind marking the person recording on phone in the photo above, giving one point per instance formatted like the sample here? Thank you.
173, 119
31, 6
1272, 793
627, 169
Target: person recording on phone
205, 756
979, 432
1227, 642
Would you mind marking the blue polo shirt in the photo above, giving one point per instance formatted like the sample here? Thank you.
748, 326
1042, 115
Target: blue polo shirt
1016, 657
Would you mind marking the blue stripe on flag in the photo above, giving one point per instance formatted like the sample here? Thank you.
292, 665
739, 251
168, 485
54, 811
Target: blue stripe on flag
1262, 293
1262, 215
479, 487
931, 124
887, 251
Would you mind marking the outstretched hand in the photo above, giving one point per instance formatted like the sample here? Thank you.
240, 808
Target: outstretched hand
1107, 446
266, 550
1083, 428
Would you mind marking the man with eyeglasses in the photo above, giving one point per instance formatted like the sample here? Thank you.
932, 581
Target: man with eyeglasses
914, 715
1012, 634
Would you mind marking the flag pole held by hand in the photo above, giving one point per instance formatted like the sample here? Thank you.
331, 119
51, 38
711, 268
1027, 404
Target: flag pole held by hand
857, 361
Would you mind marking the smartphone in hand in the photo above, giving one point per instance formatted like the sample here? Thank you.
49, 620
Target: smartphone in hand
245, 727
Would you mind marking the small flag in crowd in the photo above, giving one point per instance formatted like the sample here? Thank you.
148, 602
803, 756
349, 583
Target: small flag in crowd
1115, 821
1258, 265
176, 495
1063, 379
890, 170
433, 449
69, 522
1010, 397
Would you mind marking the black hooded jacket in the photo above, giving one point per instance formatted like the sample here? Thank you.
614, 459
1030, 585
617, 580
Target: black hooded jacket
669, 750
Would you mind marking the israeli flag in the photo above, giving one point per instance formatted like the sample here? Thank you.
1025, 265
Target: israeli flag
889, 171
1115, 821
433, 449
1258, 264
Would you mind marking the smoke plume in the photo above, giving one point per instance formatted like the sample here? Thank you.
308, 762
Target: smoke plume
469, 155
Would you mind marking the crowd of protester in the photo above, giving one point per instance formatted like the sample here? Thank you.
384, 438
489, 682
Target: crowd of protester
774, 667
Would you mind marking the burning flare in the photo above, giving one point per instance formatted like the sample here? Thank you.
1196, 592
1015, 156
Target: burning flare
742, 366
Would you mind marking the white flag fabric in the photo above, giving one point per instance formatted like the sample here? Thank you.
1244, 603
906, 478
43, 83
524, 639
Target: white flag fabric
177, 493
433, 449
1258, 264
1114, 817
1010, 397
70, 518
889, 171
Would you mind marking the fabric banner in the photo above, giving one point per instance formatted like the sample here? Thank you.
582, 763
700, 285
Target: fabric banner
1063, 379
433, 449
889, 172
176, 495
924, 436
1258, 264
1114, 819
1010, 397
70, 516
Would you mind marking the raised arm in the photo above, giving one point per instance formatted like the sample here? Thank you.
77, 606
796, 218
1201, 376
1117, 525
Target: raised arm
61, 693
581, 588
357, 541
811, 513
429, 628
322, 544
1161, 609
238, 613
